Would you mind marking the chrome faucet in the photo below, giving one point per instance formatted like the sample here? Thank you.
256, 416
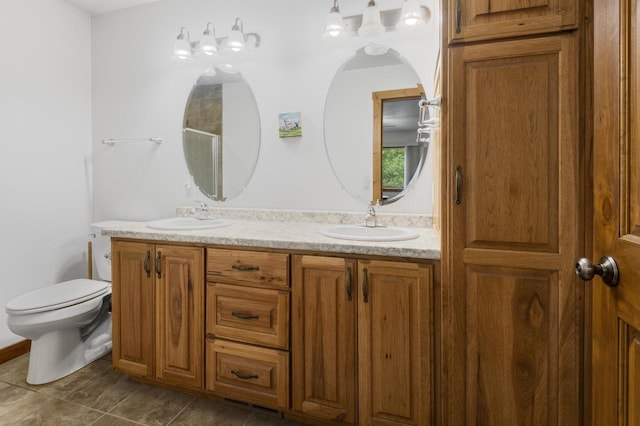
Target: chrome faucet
201, 211
371, 217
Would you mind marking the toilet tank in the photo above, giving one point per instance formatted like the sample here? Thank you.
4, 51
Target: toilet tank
102, 247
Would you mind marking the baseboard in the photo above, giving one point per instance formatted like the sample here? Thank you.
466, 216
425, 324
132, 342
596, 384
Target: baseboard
14, 351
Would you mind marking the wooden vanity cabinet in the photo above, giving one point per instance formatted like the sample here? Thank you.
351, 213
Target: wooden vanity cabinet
158, 325
474, 20
247, 326
362, 342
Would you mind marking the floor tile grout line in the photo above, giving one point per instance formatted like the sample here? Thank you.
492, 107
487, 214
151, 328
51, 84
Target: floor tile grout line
193, 401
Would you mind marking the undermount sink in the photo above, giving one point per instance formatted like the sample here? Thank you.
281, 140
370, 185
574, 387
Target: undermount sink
186, 223
366, 233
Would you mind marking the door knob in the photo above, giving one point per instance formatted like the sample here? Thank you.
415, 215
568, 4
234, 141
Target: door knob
607, 269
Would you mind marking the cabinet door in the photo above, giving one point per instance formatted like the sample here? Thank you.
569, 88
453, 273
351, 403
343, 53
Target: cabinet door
395, 353
323, 337
133, 307
512, 305
180, 315
471, 20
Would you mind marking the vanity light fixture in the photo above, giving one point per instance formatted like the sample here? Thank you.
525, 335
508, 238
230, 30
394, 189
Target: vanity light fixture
335, 25
182, 48
237, 41
411, 13
209, 44
371, 21
374, 22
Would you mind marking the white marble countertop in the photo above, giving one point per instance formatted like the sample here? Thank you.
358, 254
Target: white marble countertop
286, 235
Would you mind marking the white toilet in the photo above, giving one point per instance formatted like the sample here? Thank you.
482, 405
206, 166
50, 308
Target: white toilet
69, 324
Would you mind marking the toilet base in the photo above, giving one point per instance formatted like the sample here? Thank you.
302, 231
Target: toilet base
61, 352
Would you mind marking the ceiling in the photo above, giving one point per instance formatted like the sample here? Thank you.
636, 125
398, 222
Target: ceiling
98, 7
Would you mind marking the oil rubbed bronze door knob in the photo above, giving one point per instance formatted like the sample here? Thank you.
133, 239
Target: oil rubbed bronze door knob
607, 269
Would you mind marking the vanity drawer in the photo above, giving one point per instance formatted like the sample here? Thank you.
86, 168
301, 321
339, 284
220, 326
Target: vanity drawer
248, 267
248, 373
248, 314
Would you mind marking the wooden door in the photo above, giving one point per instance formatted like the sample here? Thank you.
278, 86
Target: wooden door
180, 315
323, 329
471, 20
395, 343
512, 302
616, 168
133, 307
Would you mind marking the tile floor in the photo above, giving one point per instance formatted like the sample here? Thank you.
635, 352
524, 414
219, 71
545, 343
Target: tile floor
97, 395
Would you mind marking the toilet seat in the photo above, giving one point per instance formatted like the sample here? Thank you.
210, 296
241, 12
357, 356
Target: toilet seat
57, 296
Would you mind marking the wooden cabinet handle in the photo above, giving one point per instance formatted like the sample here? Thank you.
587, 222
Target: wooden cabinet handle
157, 264
239, 375
243, 268
147, 269
365, 286
245, 316
458, 15
348, 284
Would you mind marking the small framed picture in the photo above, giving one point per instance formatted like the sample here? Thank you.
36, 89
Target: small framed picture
289, 124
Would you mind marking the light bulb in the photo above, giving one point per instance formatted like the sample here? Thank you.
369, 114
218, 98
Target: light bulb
235, 42
208, 44
182, 47
335, 25
371, 22
411, 13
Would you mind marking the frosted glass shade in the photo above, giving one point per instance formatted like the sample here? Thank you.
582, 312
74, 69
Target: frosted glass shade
235, 42
208, 45
371, 22
334, 26
411, 13
182, 49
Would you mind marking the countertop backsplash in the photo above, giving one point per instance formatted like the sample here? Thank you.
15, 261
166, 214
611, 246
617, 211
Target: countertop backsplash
329, 217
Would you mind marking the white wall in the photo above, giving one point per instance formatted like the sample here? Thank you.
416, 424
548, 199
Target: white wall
139, 92
45, 147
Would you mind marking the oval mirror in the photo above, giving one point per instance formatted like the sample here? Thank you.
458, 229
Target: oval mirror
221, 134
371, 125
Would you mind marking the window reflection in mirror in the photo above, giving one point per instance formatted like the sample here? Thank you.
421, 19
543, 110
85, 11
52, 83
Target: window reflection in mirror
349, 128
397, 154
221, 134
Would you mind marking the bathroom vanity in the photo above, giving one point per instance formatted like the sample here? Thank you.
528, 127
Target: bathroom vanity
277, 315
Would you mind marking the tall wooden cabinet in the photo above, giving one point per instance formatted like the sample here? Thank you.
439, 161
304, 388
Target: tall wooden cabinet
362, 341
158, 320
512, 306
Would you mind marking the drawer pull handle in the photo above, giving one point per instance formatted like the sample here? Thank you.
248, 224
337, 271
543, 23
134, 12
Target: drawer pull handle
158, 265
147, 269
243, 268
245, 316
348, 280
365, 286
239, 375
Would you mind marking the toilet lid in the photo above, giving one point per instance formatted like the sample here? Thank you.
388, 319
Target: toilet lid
57, 296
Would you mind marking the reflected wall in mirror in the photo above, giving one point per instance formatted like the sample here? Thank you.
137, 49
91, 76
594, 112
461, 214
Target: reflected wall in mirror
221, 134
349, 125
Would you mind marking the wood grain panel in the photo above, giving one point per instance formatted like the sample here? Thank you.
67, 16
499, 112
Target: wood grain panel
133, 308
394, 342
511, 197
248, 373
246, 314
323, 338
511, 321
248, 267
180, 319
511, 289
471, 20
632, 377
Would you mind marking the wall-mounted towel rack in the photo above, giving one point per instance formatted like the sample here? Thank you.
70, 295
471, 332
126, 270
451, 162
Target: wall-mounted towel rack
112, 142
